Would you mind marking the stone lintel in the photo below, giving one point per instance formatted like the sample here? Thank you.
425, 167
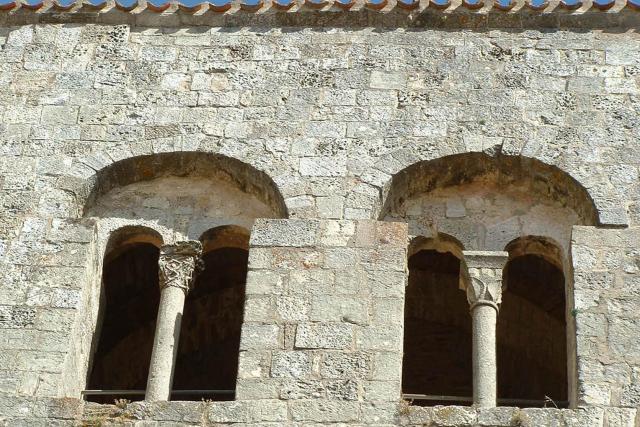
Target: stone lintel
486, 259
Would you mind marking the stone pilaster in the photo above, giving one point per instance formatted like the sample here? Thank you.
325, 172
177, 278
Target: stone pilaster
323, 325
482, 278
177, 266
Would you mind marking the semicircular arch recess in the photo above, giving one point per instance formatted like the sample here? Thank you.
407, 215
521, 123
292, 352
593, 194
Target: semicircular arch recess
186, 164
504, 171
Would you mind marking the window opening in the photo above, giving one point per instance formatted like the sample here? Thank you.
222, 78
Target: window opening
212, 321
531, 333
130, 297
437, 366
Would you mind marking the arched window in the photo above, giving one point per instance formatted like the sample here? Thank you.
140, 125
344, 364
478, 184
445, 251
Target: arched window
486, 202
212, 321
127, 314
437, 331
532, 327
180, 195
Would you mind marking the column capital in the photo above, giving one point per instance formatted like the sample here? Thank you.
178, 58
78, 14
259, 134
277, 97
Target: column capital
178, 263
482, 276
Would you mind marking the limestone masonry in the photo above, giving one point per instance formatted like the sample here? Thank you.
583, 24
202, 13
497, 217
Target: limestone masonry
316, 213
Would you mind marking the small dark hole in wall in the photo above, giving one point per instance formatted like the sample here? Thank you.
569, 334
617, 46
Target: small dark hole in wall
437, 340
211, 325
129, 310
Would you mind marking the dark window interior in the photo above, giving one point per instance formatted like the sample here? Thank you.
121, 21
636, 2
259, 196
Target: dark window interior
437, 341
210, 334
531, 334
128, 311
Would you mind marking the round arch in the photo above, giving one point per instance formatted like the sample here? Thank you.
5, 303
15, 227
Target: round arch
122, 238
181, 164
466, 168
440, 242
225, 236
541, 246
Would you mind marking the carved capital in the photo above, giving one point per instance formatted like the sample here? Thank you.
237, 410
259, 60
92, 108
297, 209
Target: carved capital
179, 263
482, 276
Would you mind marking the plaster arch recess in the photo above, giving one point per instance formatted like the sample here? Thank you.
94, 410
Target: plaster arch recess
486, 202
207, 187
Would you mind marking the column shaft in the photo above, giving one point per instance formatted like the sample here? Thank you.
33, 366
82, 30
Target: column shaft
484, 318
482, 278
177, 265
165, 344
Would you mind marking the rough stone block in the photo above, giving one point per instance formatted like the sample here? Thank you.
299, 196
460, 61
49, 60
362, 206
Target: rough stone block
312, 282
295, 364
302, 389
260, 337
261, 388
340, 258
337, 233
322, 166
346, 365
254, 364
296, 233
255, 411
380, 338
336, 336
324, 411
335, 308
388, 391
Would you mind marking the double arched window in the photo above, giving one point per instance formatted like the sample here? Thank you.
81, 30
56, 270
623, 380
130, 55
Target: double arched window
207, 356
171, 254
530, 331
493, 232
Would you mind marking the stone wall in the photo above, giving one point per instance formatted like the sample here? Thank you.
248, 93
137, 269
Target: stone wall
606, 291
322, 115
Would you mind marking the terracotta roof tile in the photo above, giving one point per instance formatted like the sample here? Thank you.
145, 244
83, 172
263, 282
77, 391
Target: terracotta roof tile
261, 6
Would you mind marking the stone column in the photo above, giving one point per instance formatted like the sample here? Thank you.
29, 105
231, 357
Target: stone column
482, 278
177, 266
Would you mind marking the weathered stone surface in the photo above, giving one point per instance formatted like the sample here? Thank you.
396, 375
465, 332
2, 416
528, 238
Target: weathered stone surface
335, 336
284, 233
294, 364
308, 119
324, 411
255, 336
